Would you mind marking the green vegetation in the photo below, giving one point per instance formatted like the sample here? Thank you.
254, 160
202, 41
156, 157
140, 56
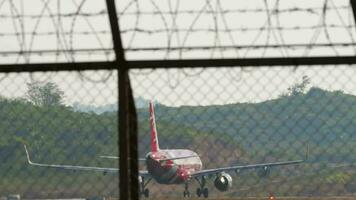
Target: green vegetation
242, 133
44, 94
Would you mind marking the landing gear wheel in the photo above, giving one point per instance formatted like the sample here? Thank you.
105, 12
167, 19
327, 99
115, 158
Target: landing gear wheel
186, 194
146, 193
143, 190
205, 192
199, 192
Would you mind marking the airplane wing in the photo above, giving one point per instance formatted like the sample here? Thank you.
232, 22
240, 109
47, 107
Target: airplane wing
78, 167
110, 157
207, 172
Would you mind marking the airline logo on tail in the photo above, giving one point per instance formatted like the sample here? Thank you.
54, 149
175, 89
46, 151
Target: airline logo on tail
154, 139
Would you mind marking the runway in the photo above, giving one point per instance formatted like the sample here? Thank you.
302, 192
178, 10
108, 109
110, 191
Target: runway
252, 198
196, 198
260, 198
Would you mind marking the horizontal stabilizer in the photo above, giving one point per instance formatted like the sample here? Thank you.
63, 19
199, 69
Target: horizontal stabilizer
116, 158
177, 158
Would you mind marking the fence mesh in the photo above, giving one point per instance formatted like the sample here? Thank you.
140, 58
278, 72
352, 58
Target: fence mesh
62, 118
267, 115
229, 116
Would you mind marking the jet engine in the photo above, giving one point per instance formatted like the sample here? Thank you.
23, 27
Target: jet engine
223, 182
264, 171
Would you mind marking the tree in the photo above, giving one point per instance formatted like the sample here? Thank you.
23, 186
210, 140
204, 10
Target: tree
299, 88
44, 94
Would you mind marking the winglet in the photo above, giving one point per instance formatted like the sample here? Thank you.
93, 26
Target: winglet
28, 155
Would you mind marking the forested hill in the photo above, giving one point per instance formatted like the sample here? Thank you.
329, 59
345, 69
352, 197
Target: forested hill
318, 117
324, 120
241, 133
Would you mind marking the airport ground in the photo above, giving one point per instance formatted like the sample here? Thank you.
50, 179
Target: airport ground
258, 198
249, 198
195, 198
266, 198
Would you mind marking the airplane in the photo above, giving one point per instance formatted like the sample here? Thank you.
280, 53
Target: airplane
175, 166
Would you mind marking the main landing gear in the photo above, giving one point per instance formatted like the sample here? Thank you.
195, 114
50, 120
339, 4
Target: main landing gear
143, 190
186, 192
202, 190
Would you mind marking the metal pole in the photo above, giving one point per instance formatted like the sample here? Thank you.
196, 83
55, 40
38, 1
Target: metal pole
184, 63
242, 62
353, 5
128, 185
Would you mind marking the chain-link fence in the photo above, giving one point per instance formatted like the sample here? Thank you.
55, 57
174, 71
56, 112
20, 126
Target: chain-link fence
224, 131
62, 118
60, 31
268, 115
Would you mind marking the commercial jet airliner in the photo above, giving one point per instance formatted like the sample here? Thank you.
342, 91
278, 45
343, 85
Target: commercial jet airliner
176, 166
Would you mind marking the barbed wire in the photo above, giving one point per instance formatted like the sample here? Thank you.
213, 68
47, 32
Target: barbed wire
190, 12
179, 28
159, 31
187, 48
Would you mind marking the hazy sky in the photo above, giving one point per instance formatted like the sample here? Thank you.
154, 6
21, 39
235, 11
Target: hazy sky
33, 25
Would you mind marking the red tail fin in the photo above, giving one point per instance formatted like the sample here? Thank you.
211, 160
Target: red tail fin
154, 138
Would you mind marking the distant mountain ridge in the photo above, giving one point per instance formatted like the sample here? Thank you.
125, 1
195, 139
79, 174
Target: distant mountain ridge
140, 102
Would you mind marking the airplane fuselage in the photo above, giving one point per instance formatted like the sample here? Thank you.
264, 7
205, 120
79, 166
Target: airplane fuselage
175, 171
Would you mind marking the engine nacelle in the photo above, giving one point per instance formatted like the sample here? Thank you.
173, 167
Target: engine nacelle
223, 182
264, 171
